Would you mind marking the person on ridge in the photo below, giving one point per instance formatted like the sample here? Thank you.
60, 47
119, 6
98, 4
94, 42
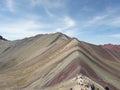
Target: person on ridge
106, 88
92, 87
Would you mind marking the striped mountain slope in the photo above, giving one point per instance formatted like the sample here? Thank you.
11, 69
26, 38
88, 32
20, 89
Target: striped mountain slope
47, 61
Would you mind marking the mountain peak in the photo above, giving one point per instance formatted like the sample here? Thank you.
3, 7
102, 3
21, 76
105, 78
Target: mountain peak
52, 59
59, 33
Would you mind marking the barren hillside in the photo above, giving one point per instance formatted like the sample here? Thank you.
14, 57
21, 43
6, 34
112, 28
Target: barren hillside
51, 62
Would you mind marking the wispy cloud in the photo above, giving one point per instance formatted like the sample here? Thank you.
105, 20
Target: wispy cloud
21, 29
115, 22
96, 20
66, 23
10, 4
49, 13
115, 35
70, 32
28, 27
23, 18
107, 20
68, 26
48, 5
69, 22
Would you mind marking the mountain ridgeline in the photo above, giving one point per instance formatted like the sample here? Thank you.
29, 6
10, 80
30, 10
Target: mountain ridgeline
45, 61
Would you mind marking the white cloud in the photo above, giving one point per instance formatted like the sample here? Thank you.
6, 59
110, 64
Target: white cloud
65, 23
49, 13
67, 26
33, 2
48, 5
69, 22
97, 20
22, 29
115, 35
110, 18
70, 32
74, 32
115, 22
103, 20
10, 4
31, 26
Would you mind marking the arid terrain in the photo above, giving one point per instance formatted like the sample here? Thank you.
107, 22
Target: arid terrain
52, 61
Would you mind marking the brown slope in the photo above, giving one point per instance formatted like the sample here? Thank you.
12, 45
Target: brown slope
112, 47
85, 69
45, 60
29, 64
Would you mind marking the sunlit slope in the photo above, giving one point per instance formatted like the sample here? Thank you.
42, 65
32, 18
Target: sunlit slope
47, 60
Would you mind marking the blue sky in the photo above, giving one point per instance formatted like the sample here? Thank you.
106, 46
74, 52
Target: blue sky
93, 21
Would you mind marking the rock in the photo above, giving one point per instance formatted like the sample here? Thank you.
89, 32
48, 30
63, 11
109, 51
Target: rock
1, 38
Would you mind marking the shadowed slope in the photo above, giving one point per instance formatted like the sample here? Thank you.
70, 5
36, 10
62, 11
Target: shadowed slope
46, 60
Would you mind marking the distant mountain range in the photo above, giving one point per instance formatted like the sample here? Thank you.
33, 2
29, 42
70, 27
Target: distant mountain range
52, 61
112, 47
